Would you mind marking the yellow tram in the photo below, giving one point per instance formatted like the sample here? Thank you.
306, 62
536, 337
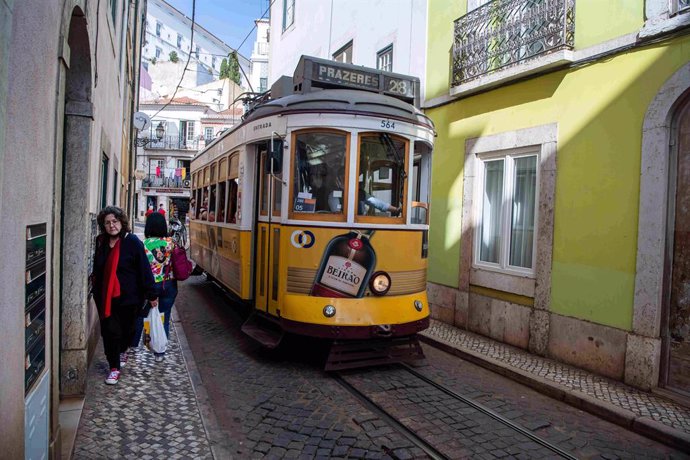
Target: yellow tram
314, 209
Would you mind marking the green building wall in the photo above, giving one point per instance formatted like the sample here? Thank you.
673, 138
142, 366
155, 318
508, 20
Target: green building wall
599, 108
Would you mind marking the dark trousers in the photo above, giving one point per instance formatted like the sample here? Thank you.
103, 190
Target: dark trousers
117, 331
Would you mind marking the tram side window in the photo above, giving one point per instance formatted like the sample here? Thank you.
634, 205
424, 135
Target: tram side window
232, 201
381, 180
220, 213
319, 184
230, 216
420, 183
212, 203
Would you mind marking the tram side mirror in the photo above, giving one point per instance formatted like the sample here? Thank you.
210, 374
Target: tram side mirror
275, 156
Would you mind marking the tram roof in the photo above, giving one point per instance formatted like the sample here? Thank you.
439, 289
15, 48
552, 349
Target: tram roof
342, 101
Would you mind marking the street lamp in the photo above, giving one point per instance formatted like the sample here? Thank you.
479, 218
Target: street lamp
160, 132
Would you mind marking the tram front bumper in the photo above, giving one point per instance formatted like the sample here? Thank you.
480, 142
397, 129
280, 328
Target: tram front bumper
366, 317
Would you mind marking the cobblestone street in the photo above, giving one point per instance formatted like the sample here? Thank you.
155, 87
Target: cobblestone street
281, 404
267, 404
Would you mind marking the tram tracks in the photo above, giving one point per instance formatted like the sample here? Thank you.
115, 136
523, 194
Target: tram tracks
474, 420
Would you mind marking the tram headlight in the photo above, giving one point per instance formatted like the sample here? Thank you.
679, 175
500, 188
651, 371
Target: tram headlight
418, 305
329, 311
380, 283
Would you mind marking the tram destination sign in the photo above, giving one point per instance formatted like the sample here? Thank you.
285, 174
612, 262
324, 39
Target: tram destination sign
321, 73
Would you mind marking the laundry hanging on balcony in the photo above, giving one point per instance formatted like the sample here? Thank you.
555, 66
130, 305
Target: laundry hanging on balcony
178, 172
158, 171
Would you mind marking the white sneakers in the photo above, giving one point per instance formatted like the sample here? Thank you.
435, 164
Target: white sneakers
113, 377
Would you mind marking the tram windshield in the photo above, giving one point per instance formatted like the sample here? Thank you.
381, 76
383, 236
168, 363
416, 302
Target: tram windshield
320, 172
381, 181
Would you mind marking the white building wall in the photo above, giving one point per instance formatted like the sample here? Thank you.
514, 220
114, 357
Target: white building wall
212, 50
321, 28
163, 192
34, 70
259, 58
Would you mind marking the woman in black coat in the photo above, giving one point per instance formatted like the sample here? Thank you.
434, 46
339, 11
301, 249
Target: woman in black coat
122, 283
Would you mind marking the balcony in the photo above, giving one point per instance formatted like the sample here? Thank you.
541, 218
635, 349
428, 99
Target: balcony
173, 143
503, 34
167, 180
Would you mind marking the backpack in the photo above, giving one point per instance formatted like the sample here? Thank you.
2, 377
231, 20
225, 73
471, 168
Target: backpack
181, 266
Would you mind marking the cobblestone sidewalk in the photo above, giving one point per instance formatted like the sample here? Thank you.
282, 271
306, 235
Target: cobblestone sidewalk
642, 412
152, 413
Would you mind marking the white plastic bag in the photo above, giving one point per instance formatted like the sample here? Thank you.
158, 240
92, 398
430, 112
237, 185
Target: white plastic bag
159, 341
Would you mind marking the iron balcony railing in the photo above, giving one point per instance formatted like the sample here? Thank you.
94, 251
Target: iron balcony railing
173, 143
503, 33
165, 180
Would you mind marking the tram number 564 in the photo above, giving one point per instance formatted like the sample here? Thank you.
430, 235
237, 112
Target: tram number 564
387, 124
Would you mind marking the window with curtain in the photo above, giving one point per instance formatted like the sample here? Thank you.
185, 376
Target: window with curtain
506, 236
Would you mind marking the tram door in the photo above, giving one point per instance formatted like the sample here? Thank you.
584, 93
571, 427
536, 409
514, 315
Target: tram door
267, 267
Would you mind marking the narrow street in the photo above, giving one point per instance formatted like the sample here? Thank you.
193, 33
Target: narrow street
281, 404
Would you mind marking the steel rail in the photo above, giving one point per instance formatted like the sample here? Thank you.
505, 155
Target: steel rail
496, 416
379, 411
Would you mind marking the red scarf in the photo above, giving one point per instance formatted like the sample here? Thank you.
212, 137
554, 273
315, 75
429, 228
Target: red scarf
111, 285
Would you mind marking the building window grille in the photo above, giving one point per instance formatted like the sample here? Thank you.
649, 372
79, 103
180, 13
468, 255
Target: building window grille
159, 28
179, 41
344, 54
263, 84
288, 13
213, 62
503, 33
208, 134
507, 212
384, 59
196, 51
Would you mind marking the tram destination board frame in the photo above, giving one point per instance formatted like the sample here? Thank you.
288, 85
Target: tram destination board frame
35, 304
314, 72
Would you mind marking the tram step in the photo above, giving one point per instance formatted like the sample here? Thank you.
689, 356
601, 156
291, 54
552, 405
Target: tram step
264, 331
350, 354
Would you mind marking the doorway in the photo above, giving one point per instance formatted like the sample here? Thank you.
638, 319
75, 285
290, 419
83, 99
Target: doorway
676, 372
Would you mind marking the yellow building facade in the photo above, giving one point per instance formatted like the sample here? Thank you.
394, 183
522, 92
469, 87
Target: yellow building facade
558, 221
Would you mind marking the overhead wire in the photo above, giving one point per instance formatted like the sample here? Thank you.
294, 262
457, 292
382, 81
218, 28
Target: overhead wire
235, 51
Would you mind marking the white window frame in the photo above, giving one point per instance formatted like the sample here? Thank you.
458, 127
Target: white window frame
344, 53
288, 14
474, 4
191, 129
208, 130
384, 58
509, 157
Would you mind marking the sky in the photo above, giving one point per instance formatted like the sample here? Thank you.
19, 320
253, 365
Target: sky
229, 20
